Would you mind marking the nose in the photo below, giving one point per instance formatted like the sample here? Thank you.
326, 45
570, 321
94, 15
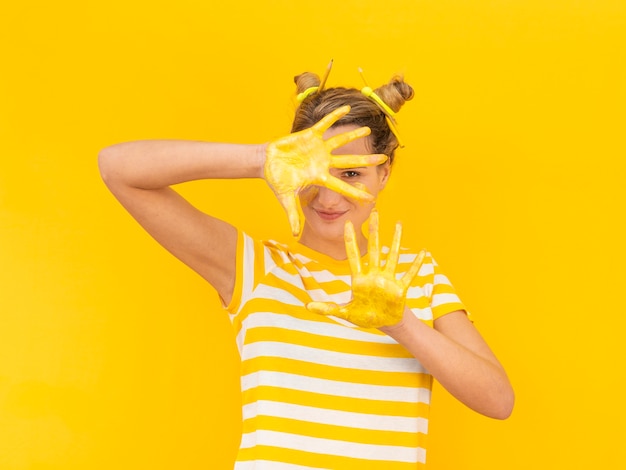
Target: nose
327, 197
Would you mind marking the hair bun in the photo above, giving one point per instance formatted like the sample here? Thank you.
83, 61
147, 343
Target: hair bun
395, 93
305, 81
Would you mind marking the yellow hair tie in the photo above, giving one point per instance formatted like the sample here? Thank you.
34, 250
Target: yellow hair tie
371, 94
389, 113
309, 91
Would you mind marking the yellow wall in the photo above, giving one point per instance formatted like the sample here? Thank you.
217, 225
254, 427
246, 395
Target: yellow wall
113, 355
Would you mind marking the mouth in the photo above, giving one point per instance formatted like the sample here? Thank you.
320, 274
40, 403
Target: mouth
330, 216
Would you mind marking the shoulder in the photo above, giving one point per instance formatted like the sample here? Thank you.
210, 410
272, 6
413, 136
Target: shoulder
268, 253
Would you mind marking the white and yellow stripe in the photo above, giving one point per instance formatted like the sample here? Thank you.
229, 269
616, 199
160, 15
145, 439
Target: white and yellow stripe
320, 392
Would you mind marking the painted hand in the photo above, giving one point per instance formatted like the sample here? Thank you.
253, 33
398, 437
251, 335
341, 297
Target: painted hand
377, 296
304, 158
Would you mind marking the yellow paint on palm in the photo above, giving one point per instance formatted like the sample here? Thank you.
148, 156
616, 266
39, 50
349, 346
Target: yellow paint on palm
304, 158
377, 296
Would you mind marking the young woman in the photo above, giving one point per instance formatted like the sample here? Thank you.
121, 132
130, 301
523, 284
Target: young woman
339, 339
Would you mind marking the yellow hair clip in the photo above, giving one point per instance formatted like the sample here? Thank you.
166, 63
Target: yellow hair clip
389, 113
309, 91
394, 129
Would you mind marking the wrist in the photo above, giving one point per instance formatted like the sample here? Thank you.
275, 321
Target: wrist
398, 330
261, 154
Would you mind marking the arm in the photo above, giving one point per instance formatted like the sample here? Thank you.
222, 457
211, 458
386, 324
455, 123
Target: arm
453, 352
458, 358
140, 174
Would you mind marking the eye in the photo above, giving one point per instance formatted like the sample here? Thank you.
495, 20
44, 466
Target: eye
350, 174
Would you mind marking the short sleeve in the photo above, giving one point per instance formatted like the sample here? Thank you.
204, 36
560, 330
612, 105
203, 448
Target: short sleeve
444, 298
249, 268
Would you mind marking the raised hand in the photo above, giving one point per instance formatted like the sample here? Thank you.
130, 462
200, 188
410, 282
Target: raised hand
304, 158
377, 296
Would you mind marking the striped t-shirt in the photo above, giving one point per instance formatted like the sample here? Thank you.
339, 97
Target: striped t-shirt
317, 391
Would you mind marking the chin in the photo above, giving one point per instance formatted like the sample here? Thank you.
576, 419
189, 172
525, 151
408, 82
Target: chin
328, 232
331, 232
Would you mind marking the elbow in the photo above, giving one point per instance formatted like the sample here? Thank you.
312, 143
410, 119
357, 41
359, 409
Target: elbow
103, 163
503, 404
496, 401
107, 158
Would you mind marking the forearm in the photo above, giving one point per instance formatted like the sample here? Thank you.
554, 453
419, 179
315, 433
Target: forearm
474, 377
155, 164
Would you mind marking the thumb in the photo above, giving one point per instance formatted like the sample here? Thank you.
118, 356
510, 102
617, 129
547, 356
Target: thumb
323, 308
289, 201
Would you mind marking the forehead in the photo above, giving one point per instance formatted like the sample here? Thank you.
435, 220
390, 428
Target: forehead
360, 146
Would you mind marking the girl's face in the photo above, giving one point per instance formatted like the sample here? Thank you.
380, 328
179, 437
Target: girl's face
327, 211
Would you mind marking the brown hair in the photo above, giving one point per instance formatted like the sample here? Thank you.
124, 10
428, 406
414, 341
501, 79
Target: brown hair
363, 112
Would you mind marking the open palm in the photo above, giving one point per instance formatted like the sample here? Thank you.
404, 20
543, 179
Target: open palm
304, 158
378, 298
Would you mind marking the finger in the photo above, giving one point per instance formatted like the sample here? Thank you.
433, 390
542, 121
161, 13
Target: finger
352, 250
342, 139
331, 118
289, 201
322, 308
394, 254
360, 186
373, 245
308, 194
356, 161
347, 189
413, 270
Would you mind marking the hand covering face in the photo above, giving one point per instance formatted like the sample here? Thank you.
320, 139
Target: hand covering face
304, 158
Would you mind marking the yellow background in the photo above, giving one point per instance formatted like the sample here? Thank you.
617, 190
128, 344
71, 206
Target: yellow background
114, 355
